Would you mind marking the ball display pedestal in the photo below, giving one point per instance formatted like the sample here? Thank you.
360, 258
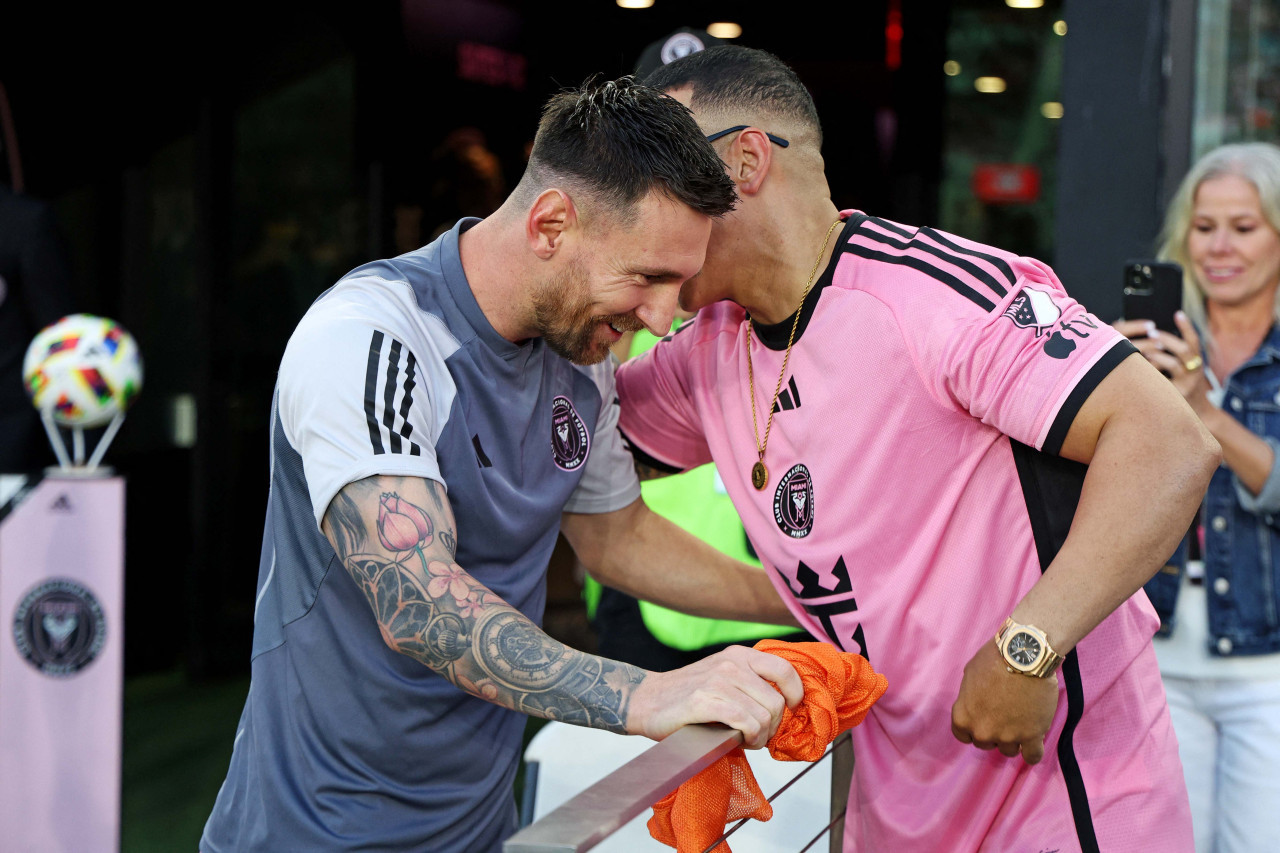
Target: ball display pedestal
57, 471
75, 461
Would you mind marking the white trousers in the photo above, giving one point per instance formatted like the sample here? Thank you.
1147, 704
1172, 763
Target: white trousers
1229, 742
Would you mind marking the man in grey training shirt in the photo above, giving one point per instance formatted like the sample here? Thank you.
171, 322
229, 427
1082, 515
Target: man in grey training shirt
438, 419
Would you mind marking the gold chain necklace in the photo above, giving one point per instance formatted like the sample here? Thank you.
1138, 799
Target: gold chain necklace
759, 473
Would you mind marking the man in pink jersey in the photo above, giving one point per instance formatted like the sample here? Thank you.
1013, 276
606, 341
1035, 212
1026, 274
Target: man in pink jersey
932, 445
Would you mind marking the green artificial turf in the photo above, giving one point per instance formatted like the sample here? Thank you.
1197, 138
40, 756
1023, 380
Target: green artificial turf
177, 743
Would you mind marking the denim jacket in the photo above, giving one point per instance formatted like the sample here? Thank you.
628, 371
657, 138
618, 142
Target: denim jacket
1241, 530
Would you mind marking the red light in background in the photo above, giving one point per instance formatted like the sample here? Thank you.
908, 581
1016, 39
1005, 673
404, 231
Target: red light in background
893, 36
1006, 183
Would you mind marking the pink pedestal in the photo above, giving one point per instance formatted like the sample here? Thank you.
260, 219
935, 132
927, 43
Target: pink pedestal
61, 665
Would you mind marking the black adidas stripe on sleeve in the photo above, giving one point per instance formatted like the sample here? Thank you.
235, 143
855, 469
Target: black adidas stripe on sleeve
921, 265
947, 252
387, 376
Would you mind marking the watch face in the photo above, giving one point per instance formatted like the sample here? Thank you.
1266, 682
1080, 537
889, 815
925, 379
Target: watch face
1023, 649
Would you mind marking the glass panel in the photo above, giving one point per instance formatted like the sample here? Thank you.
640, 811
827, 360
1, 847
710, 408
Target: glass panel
1237, 73
298, 217
164, 303
1004, 84
298, 224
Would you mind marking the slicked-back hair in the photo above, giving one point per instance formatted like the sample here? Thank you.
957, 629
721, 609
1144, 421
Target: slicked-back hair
729, 79
617, 141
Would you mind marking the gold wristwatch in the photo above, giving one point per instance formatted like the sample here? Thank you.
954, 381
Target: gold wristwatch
1026, 650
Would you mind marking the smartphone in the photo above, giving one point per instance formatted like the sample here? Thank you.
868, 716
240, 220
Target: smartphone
1153, 291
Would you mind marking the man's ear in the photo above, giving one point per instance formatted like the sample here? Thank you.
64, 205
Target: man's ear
749, 159
550, 216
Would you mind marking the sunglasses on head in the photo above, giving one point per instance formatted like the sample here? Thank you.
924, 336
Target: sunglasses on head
776, 140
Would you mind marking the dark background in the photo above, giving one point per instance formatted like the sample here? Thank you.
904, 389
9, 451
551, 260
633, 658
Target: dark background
205, 210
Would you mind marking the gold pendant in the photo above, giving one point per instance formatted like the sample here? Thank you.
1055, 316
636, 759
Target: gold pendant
759, 475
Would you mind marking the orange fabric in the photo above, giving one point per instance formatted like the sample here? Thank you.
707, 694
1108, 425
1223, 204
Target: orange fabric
839, 689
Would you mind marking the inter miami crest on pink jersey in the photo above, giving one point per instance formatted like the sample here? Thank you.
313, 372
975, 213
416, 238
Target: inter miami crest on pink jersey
793, 503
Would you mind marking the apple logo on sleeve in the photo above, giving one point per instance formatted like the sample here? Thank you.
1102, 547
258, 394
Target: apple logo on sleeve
1059, 345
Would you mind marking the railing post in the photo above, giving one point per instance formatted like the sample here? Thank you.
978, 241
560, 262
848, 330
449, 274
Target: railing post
841, 780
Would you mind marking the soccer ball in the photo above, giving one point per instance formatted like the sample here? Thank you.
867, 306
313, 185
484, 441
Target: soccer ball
83, 370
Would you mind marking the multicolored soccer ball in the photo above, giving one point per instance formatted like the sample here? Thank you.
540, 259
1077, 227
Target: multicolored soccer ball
83, 370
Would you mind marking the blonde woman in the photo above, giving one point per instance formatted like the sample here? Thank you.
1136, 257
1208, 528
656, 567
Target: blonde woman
1219, 642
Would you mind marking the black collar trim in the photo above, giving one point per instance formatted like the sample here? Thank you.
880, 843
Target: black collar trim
775, 336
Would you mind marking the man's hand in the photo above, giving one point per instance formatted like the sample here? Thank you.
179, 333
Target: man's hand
732, 687
1003, 710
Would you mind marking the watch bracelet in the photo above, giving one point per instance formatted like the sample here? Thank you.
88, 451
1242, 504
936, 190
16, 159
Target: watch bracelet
1049, 663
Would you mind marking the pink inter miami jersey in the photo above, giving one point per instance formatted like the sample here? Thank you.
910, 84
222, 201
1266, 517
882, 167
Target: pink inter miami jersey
914, 496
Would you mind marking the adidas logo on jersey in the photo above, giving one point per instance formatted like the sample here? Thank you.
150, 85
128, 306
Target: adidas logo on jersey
788, 398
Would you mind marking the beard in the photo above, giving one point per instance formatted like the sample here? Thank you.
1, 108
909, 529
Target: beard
562, 312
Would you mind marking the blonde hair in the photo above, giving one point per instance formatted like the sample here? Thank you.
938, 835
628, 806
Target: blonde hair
1256, 162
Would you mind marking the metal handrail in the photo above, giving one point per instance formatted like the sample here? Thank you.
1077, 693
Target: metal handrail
605, 807
610, 804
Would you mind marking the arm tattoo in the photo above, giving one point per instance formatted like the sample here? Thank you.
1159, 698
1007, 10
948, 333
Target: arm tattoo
435, 612
436, 498
347, 525
410, 621
449, 541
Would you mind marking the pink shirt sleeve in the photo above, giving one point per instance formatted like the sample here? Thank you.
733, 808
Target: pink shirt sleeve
1026, 366
660, 417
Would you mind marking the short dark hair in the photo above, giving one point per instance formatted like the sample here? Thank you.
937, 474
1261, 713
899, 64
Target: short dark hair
618, 140
731, 77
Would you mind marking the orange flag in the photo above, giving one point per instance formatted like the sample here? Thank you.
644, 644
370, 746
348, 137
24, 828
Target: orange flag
839, 689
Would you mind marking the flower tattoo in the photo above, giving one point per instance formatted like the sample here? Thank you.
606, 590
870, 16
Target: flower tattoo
402, 526
450, 577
